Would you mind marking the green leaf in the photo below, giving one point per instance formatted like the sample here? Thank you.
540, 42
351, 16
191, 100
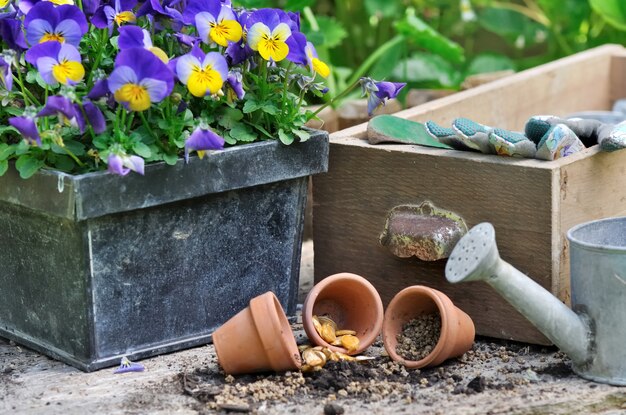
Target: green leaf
63, 162
75, 147
101, 142
509, 24
270, 109
4, 166
613, 11
331, 33
489, 62
170, 159
242, 132
6, 151
432, 70
384, 8
27, 166
141, 149
251, 105
297, 5
229, 117
284, 137
428, 38
229, 140
302, 135
387, 62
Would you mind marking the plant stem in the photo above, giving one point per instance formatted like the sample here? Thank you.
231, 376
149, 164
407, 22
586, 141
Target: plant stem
73, 156
285, 87
26, 94
147, 125
89, 126
337, 98
365, 66
101, 45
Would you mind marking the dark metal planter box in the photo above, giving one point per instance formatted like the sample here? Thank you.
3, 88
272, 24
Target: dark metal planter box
98, 266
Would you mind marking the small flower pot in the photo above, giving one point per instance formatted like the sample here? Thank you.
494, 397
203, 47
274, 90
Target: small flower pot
257, 339
457, 328
352, 302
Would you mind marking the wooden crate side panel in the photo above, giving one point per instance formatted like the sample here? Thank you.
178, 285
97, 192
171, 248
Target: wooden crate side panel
352, 200
591, 188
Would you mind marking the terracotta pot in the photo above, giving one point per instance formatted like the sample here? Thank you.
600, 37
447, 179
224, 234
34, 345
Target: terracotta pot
352, 302
457, 328
257, 339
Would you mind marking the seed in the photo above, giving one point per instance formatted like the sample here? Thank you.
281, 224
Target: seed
317, 325
327, 320
314, 357
303, 347
345, 333
350, 343
328, 333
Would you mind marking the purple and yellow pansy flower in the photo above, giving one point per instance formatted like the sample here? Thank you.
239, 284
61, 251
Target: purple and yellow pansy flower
268, 34
56, 62
136, 37
203, 74
119, 13
202, 139
139, 79
215, 22
316, 65
12, 35
45, 22
26, 5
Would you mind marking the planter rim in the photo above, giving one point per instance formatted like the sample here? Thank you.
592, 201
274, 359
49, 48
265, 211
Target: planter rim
95, 194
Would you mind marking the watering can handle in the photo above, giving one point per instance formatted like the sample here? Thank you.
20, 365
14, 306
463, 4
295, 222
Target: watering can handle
424, 231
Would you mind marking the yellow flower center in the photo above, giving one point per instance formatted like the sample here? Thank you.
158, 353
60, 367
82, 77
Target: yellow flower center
125, 17
136, 96
273, 47
3, 3
61, 2
66, 71
52, 36
159, 53
225, 31
202, 79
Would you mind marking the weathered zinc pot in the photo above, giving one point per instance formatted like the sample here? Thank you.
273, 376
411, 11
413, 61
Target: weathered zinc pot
98, 266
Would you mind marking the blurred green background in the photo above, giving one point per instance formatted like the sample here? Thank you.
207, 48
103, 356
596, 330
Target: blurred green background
438, 43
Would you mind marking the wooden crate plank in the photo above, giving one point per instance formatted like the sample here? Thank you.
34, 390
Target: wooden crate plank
363, 183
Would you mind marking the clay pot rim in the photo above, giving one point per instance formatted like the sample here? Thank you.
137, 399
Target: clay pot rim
440, 302
307, 309
278, 323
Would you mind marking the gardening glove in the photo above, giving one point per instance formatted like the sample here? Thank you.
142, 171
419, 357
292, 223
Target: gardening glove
444, 135
512, 144
590, 132
557, 142
616, 139
473, 135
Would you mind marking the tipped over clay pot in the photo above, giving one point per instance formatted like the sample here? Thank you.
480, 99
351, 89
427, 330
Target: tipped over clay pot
351, 302
457, 328
257, 339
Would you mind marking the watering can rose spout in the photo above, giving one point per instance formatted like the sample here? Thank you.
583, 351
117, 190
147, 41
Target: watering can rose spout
476, 257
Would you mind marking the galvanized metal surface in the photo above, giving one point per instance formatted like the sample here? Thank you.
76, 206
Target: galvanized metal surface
594, 334
95, 278
598, 276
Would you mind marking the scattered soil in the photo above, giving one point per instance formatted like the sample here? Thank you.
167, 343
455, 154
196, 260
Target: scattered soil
419, 337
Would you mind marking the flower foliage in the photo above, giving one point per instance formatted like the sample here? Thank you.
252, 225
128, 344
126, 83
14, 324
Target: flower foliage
118, 83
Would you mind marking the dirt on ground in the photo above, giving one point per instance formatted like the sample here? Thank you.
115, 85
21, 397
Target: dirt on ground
494, 377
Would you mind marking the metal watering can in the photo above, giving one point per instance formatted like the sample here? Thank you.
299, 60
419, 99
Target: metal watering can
593, 332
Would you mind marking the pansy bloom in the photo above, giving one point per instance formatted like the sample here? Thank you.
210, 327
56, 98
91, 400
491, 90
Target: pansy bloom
27, 128
136, 37
6, 76
268, 34
122, 164
203, 74
44, 23
56, 62
121, 12
215, 22
139, 79
314, 62
202, 139
379, 92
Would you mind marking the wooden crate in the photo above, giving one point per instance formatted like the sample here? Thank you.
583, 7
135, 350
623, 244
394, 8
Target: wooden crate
531, 203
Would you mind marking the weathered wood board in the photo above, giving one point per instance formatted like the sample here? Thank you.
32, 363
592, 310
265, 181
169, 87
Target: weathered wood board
531, 203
